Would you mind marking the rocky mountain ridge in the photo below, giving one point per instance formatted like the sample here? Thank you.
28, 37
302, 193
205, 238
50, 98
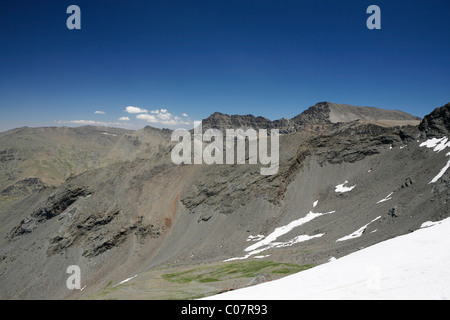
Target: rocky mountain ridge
144, 214
315, 118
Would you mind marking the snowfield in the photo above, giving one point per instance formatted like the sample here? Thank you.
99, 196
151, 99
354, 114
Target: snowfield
412, 266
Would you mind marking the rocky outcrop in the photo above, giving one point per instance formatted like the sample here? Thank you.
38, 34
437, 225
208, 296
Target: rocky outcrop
437, 123
23, 187
56, 204
99, 233
354, 142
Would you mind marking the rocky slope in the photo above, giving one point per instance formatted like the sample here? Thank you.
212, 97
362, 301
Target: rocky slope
33, 158
144, 216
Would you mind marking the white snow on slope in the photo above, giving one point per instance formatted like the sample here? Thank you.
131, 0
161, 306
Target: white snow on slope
269, 241
285, 229
413, 266
109, 134
126, 280
441, 173
341, 188
437, 144
255, 238
357, 233
298, 239
427, 224
388, 197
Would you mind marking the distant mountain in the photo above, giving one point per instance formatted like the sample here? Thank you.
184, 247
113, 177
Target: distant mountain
32, 158
314, 118
335, 112
113, 203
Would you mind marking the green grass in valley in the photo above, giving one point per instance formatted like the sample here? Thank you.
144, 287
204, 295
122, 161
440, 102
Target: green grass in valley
234, 270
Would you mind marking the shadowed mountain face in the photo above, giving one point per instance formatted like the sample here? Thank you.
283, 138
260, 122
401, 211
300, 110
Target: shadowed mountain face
125, 210
437, 123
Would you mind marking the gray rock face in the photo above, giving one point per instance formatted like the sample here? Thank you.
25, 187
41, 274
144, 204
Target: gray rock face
437, 123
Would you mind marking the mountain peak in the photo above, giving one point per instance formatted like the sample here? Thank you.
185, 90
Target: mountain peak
322, 113
337, 112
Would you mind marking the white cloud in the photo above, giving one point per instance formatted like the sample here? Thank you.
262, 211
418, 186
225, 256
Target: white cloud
131, 109
163, 117
157, 118
147, 117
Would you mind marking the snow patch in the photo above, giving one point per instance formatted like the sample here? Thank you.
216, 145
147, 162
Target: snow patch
341, 188
387, 198
315, 203
255, 238
295, 240
285, 229
441, 173
126, 280
357, 233
437, 144
269, 241
109, 134
427, 224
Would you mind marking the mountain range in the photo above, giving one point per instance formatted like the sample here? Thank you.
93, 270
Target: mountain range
112, 202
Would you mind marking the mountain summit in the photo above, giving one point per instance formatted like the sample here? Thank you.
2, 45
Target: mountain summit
336, 112
320, 114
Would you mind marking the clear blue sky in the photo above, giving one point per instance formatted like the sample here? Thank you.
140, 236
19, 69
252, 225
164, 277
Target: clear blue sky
183, 60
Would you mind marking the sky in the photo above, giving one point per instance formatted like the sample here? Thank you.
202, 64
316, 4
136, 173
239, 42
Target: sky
167, 63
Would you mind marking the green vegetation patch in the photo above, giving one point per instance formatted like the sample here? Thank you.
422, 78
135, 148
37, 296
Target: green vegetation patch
227, 271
